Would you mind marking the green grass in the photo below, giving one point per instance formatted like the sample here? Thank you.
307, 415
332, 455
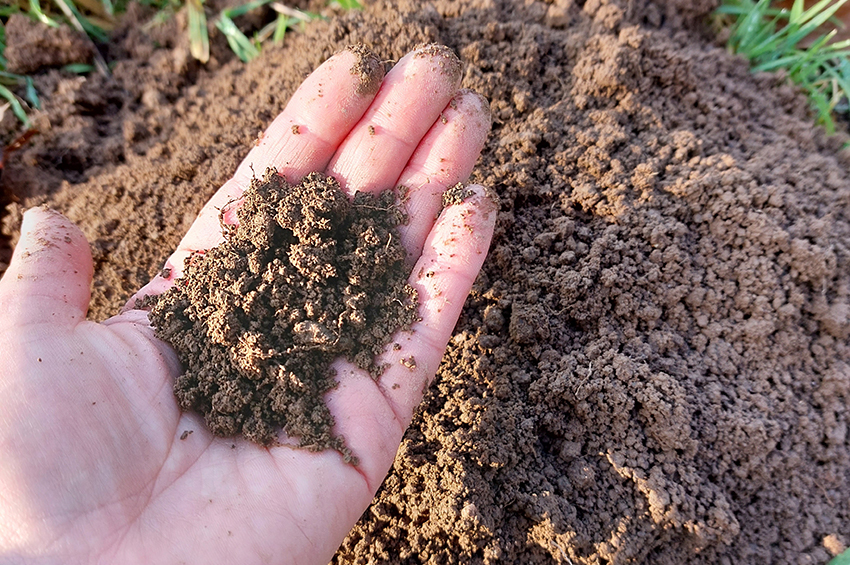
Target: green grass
843, 559
773, 39
94, 18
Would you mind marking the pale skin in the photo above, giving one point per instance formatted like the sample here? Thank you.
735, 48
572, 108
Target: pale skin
92, 464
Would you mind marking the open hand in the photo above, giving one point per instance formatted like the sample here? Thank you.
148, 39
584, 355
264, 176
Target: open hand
95, 461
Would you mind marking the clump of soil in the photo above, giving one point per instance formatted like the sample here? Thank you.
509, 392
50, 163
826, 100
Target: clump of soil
305, 277
33, 45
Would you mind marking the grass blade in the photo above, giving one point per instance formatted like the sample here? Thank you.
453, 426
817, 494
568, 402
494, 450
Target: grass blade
843, 559
245, 48
31, 94
244, 8
77, 20
281, 25
305, 17
25, 81
239, 43
347, 4
199, 41
93, 7
16, 105
796, 10
78, 68
86, 28
35, 10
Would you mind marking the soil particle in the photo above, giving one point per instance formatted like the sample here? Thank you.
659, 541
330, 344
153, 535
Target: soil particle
653, 366
305, 277
834, 545
455, 195
32, 46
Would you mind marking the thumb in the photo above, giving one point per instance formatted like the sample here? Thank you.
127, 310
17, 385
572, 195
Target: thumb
49, 277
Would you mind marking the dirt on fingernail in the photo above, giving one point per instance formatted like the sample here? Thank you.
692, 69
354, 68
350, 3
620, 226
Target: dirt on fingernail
307, 276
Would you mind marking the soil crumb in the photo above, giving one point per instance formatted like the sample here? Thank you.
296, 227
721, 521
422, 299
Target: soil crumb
455, 195
305, 277
367, 68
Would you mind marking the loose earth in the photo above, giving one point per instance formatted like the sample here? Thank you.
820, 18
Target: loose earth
305, 276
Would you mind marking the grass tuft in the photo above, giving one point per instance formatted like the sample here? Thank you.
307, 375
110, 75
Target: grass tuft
771, 39
247, 49
95, 18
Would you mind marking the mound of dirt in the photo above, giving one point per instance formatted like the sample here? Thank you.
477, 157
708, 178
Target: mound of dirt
32, 45
654, 364
306, 277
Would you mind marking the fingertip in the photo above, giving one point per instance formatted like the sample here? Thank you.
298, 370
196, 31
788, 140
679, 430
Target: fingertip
46, 231
367, 67
485, 199
443, 276
473, 104
51, 268
444, 59
318, 116
412, 97
469, 213
472, 121
445, 156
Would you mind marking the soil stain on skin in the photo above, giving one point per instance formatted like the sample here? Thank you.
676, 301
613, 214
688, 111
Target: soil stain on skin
307, 276
653, 366
367, 68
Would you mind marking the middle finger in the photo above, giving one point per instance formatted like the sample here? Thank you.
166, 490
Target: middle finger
410, 100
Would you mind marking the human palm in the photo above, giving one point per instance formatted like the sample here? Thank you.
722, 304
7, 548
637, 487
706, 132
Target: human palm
96, 459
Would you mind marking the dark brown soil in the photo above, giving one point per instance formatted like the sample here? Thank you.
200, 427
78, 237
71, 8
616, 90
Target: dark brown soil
306, 277
654, 364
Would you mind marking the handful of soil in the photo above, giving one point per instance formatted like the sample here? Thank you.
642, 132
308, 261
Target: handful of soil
306, 277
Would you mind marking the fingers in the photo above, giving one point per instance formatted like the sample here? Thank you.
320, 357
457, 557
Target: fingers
412, 96
373, 136
49, 278
329, 103
373, 419
302, 139
445, 157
